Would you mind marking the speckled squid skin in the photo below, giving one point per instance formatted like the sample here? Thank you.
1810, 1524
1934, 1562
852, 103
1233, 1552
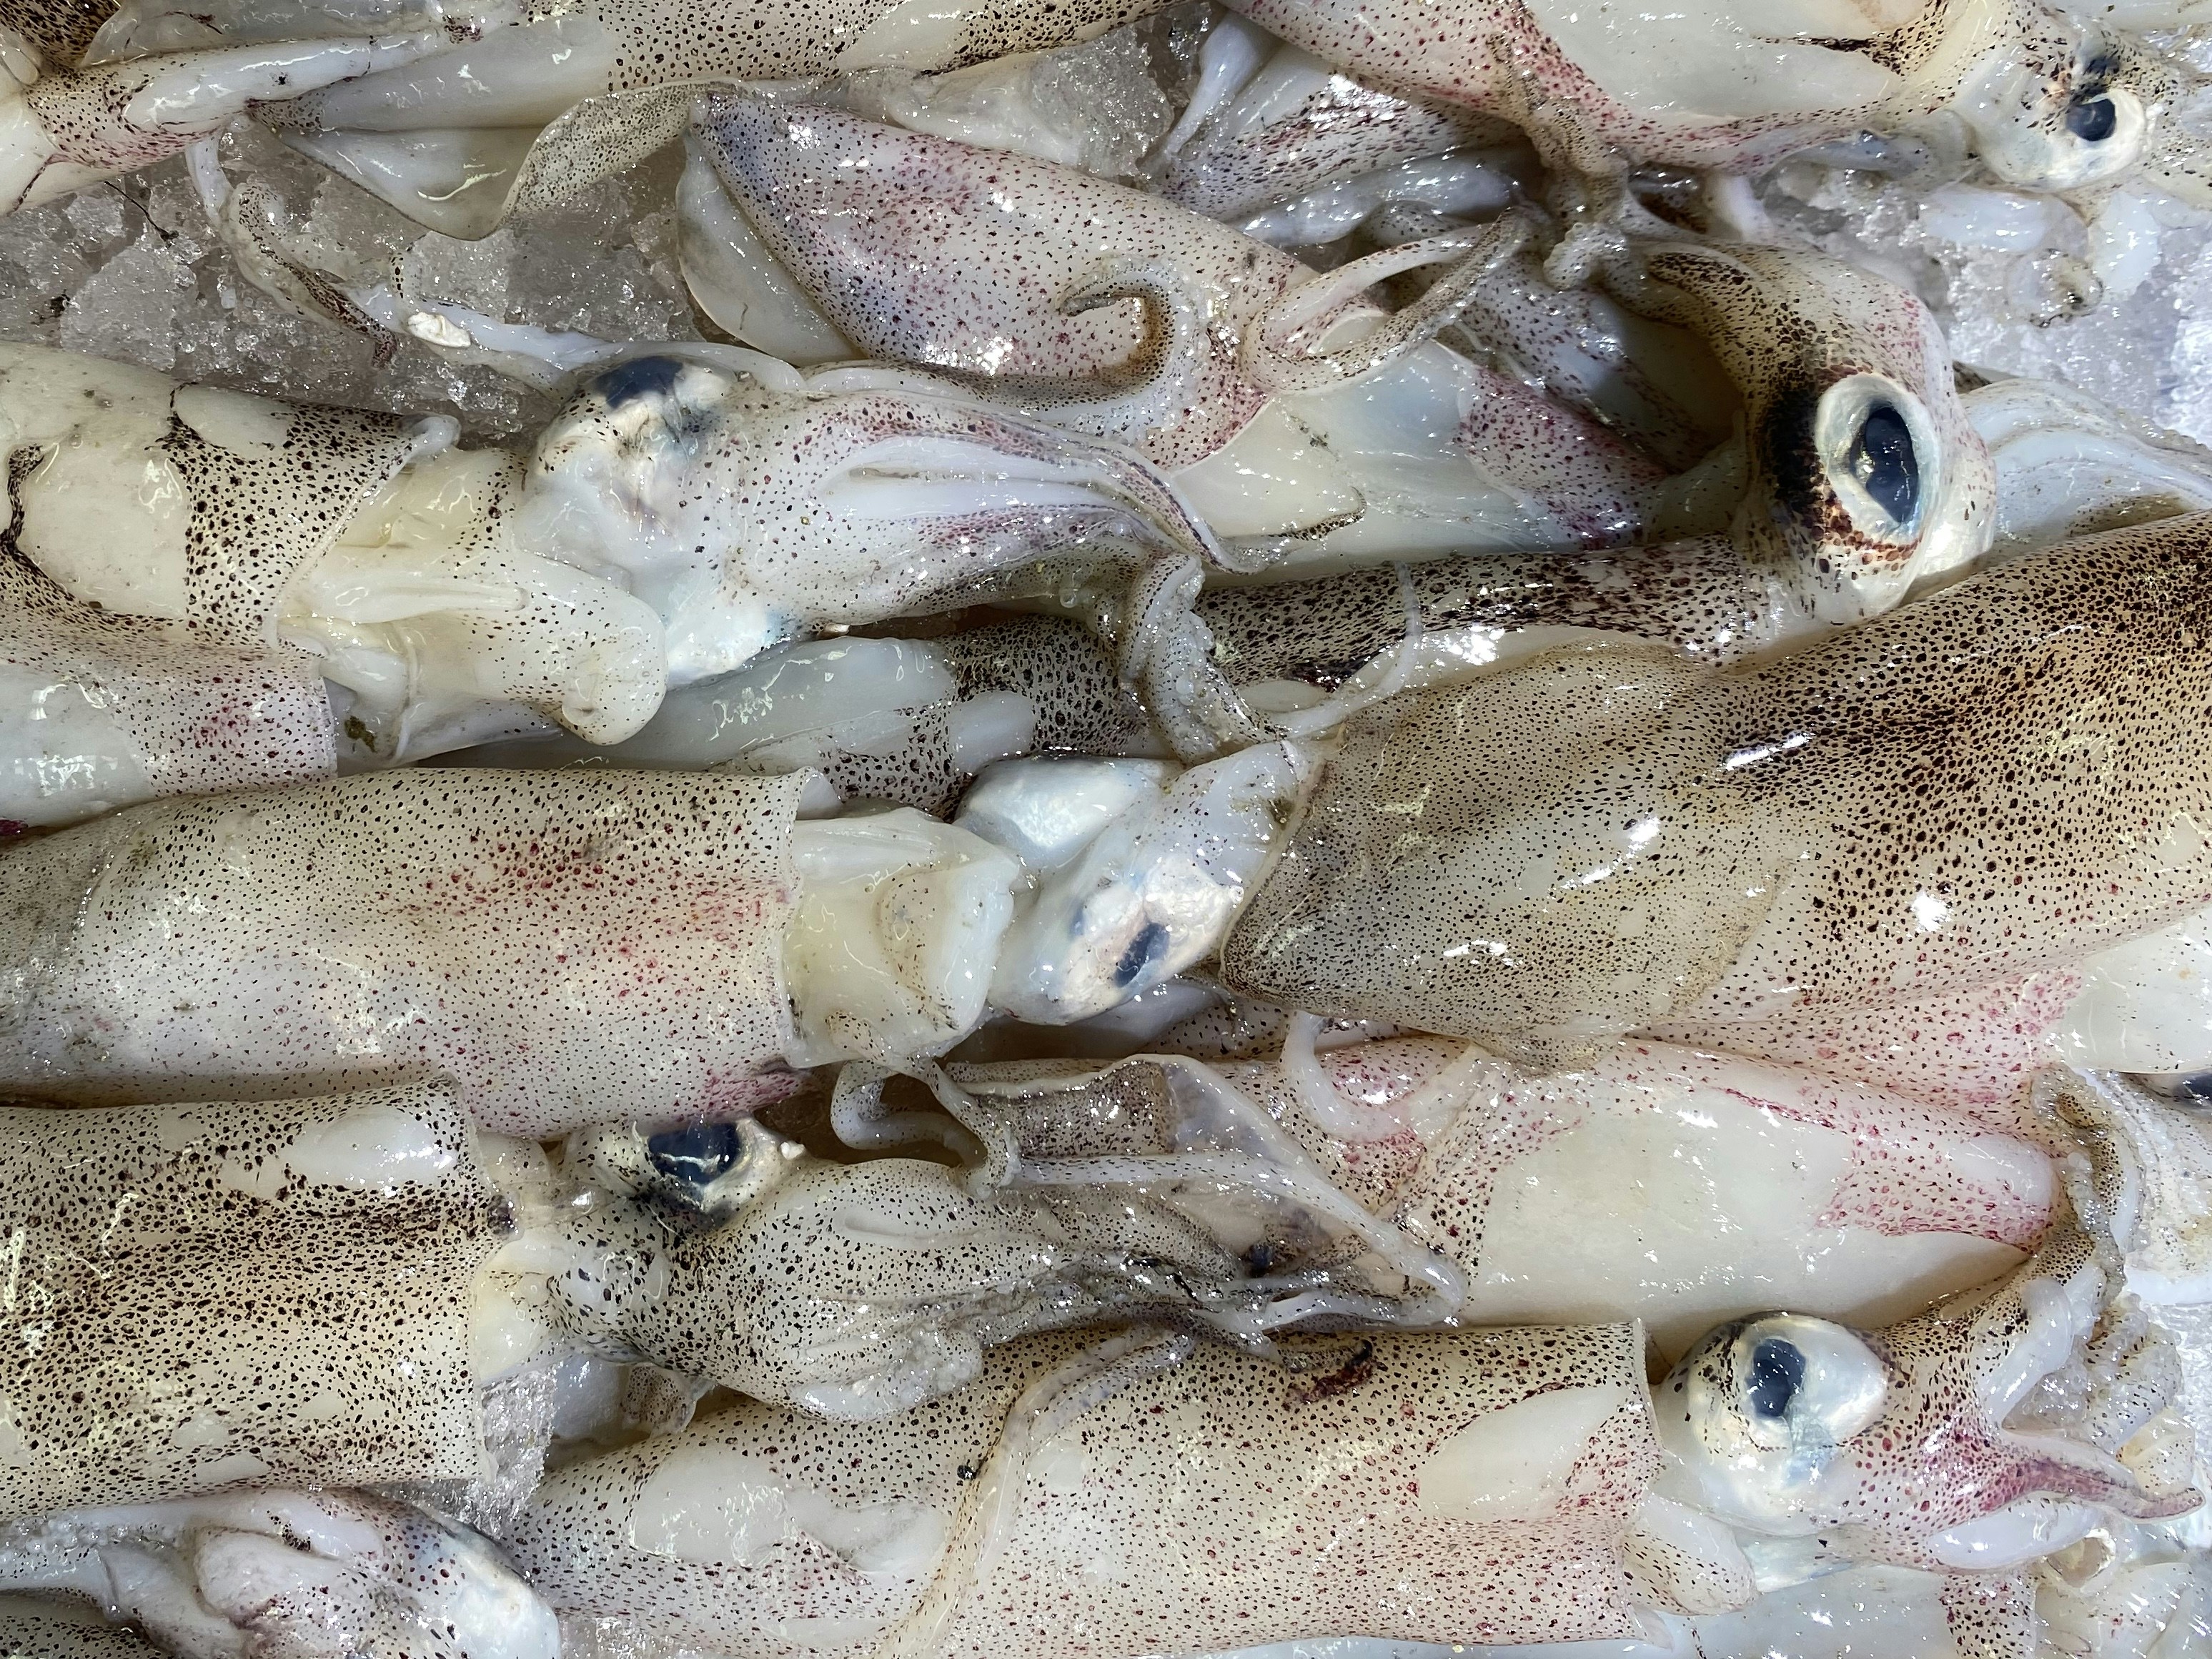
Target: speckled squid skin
1789, 326
1698, 596
268, 486
59, 1630
1988, 782
1494, 56
660, 42
60, 29
1340, 129
924, 250
1201, 1507
202, 717
224, 1301
567, 946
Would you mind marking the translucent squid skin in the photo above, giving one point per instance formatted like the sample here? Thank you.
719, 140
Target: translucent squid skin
1601, 92
566, 946
280, 1574
62, 128
241, 1293
1846, 826
1861, 469
1004, 1517
503, 110
120, 709
1528, 1497
1652, 1183
911, 721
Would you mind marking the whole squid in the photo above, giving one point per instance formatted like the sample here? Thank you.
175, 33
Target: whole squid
1286, 408
1509, 1486
1826, 829
2041, 97
683, 514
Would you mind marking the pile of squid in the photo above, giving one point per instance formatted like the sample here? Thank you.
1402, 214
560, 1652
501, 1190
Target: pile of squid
1301, 859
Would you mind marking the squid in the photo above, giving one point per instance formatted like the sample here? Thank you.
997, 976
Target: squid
1276, 143
243, 1293
1734, 845
462, 114
2041, 98
1517, 1485
158, 526
63, 126
911, 721
155, 945
574, 945
1285, 409
285, 1574
451, 596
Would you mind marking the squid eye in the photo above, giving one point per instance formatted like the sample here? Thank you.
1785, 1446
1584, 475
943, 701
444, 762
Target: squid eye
696, 1175
640, 377
1755, 1413
1877, 446
1777, 1372
1882, 461
698, 1156
2092, 120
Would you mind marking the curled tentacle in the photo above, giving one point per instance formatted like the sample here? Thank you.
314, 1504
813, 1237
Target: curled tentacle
1281, 354
1149, 391
911, 257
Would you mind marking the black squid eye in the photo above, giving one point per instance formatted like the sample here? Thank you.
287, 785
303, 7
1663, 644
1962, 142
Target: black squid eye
640, 377
698, 1154
2091, 119
1881, 459
1777, 1372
